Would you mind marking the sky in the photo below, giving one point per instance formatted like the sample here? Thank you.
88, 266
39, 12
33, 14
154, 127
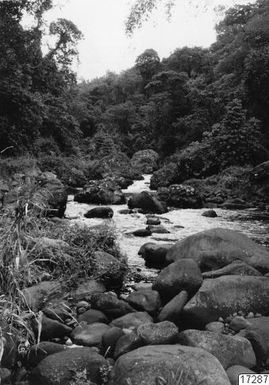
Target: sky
105, 46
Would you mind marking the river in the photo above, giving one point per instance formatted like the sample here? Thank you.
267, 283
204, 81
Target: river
180, 223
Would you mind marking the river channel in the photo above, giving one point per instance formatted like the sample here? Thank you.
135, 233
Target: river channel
179, 222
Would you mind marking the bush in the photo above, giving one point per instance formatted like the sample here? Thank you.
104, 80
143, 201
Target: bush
72, 171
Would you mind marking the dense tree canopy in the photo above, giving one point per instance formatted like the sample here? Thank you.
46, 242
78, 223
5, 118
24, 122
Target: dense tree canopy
208, 107
33, 85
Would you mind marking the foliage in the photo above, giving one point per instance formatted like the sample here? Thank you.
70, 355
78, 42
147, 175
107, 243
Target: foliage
33, 85
166, 105
236, 140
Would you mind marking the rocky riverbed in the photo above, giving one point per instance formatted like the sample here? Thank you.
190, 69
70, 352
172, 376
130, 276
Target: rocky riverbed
200, 316
179, 223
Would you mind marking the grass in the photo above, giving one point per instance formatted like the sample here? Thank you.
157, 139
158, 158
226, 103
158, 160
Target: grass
24, 262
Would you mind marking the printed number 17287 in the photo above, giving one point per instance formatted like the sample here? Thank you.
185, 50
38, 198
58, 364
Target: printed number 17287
250, 379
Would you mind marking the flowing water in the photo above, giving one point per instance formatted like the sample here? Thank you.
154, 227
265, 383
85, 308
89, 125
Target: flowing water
180, 223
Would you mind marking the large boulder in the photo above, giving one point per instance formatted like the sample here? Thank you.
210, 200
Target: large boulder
38, 352
150, 365
216, 248
100, 212
162, 333
89, 335
235, 268
145, 300
52, 195
111, 305
92, 316
127, 343
38, 295
234, 372
155, 254
147, 202
172, 310
87, 289
145, 161
61, 368
210, 214
229, 350
224, 296
132, 320
104, 192
110, 339
181, 275
181, 196
108, 269
257, 332
51, 329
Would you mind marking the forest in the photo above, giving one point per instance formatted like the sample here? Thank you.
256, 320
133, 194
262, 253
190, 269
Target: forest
207, 104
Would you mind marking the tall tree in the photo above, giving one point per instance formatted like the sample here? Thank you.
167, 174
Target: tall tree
31, 83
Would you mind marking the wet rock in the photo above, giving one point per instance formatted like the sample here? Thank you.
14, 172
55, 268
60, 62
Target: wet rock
104, 192
229, 350
51, 329
60, 368
181, 196
83, 304
235, 204
172, 310
111, 305
86, 289
142, 233
122, 182
100, 212
38, 352
89, 335
234, 268
147, 202
238, 323
38, 295
158, 229
110, 339
58, 311
125, 211
224, 296
110, 270
52, 194
144, 366
143, 286
132, 320
181, 275
153, 221
257, 332
216, 327
155, 254
215, 248
145, 300
234, 371
127, 343
92, 316
210, 214
162, 333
